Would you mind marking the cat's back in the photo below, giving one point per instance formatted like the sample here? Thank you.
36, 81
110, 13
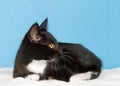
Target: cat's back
73, 47
79, 51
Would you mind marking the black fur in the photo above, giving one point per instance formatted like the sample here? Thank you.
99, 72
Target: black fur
64, 60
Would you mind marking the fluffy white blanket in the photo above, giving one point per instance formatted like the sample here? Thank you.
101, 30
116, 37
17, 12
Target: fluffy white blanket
109, 77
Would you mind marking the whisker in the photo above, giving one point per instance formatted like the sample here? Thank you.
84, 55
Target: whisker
54, 64
62, 61
65, 53
67, 56
66, 59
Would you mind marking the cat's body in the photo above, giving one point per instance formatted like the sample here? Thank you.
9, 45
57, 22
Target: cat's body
41, 57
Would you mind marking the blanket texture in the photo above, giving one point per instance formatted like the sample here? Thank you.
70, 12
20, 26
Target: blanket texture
109, 77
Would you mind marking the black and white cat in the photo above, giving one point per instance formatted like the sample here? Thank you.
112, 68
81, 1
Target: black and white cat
40, 57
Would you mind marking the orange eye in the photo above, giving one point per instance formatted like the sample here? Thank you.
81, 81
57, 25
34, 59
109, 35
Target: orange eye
51, 45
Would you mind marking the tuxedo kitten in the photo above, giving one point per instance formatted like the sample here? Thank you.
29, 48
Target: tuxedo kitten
40, 57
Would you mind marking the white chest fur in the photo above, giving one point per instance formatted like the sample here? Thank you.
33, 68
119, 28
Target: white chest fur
37, 66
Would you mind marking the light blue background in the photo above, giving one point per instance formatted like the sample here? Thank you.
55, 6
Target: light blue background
92, 23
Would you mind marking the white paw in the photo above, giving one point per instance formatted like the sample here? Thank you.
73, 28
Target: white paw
81, 76
85, 76
34, 77
50, 78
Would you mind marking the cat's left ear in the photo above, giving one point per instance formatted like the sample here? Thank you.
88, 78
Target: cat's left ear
43, 26
34, 33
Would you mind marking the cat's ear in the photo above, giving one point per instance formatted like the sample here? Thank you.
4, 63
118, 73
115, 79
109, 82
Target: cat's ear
43, 26
34, 33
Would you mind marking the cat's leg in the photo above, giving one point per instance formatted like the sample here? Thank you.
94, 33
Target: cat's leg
25, 74
20, 72
34, 77
85, 76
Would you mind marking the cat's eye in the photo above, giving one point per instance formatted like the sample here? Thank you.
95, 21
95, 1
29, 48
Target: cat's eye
51, 45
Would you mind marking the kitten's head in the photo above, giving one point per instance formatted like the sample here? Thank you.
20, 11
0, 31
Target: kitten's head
40, 36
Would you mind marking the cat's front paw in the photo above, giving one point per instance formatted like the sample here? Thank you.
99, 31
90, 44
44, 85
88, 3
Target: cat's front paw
81, 76
34, 77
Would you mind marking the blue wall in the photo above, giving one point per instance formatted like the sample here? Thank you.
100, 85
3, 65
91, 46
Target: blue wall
93, 23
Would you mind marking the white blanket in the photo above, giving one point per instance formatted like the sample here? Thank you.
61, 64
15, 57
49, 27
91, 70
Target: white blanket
109, 77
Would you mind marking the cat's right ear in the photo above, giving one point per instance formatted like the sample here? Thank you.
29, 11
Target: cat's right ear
34, 33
